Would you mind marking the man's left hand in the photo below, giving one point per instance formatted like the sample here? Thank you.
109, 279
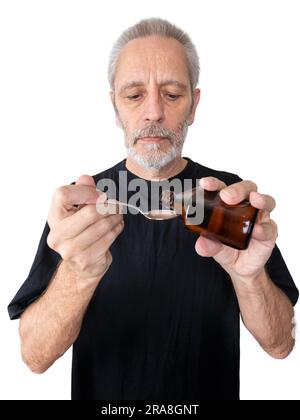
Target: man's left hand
249, 263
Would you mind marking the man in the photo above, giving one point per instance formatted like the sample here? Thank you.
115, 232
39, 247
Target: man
151, 309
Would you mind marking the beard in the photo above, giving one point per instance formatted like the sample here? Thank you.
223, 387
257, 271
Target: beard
155, 155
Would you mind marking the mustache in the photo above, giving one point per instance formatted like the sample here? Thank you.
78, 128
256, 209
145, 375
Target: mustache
153, 130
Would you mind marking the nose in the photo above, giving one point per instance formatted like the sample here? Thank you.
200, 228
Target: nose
154, 108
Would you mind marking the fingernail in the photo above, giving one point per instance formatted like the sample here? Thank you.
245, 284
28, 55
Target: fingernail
202, 182
228, 193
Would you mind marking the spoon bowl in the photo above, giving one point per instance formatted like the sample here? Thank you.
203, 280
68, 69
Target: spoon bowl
159, 214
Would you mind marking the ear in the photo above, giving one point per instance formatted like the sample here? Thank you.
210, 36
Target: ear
191, 117
112, 98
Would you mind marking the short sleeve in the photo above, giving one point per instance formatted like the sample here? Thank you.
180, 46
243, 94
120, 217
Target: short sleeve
281, 276
41, 272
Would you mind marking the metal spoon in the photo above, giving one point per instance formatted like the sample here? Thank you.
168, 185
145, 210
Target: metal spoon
152, 215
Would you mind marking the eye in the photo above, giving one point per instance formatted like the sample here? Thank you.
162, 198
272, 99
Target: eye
134, 97
172, 97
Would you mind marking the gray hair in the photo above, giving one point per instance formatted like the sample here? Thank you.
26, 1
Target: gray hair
159, 27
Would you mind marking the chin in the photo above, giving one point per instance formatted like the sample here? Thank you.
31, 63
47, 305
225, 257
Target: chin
155, 159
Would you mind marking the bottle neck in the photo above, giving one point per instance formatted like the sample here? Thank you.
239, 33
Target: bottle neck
177, 202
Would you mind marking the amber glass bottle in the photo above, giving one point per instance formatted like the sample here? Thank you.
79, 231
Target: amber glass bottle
230, 224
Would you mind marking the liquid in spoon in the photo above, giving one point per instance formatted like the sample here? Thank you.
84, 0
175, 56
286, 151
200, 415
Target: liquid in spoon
159, 214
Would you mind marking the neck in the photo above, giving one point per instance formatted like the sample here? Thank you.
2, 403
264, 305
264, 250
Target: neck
172, 169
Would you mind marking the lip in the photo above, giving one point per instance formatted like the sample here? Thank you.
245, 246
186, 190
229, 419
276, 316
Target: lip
152, 139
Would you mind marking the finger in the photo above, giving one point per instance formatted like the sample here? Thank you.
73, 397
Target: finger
211, 183
66, 197
263, 216
265, 231
207, 247
72, 248
112, 235
86, 180
110, 206
93, 233
72, 226
223, 254
237, 192
262, 201
100, 247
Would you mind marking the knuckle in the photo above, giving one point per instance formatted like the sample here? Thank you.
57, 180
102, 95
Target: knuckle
252, 185
105, 259
275, 228
222, 185
115, 231
216, 180
89, 214
272, 201
108, 239
61, 194
50, 219
52, 240
109, 258
120, 226
106, 224
210, 179
110, 236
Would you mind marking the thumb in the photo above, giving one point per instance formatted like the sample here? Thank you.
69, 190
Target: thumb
86, 180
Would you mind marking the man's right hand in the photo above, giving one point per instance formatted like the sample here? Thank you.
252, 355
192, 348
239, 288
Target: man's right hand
82, 236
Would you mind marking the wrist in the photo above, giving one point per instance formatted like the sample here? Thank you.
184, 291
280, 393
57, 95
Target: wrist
83, 278
255, 283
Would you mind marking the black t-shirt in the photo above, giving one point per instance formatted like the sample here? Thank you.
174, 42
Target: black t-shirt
163, 322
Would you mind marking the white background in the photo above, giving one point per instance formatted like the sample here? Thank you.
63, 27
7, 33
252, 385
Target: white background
57, 123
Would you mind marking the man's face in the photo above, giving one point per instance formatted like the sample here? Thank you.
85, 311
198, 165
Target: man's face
153, 99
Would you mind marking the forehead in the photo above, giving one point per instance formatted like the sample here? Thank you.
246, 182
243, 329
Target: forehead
152, 58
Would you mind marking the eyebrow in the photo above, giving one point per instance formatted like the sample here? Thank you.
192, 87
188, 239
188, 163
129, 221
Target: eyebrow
180, 85
134, 84
130, 85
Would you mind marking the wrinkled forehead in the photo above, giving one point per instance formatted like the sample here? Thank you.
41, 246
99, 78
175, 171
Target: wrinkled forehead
152, 59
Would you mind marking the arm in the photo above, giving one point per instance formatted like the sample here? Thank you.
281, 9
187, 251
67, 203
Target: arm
267, 313
50, 325
265, 309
